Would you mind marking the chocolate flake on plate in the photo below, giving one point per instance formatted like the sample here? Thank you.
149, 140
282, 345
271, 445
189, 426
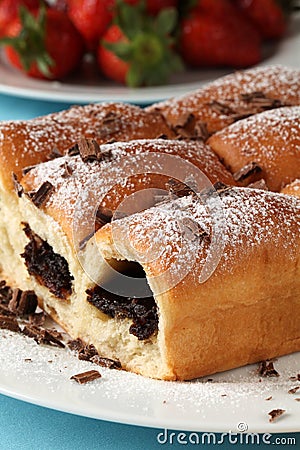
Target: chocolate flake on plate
294, 390
266, 369
41, 195
297, 399
23, 302
86, 377
295, 378
106, 362
269, 398
9, 323
275, 414
42, 336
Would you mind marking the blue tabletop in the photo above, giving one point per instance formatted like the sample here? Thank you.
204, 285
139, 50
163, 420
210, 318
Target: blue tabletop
24, 426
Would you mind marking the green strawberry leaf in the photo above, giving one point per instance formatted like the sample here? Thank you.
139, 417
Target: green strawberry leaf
30, 44
166, 21
151, 47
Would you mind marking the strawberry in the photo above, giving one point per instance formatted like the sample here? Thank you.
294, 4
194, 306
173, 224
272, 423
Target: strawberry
9, 11
43, 44
91, 18
210, 38
269, 16
139, 50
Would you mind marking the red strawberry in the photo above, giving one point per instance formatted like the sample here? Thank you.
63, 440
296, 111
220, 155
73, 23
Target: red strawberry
9, 11
91, 18
268, 15
212, 39
138, 50
111, 65
44, 44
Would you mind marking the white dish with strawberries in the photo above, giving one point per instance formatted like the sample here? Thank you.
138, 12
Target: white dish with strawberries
88, 85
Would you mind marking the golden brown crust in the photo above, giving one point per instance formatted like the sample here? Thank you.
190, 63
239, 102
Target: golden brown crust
26, 143
231, 98
270, 139
248, 310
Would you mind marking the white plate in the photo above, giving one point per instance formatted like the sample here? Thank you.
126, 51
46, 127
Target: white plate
87, 86
118, 396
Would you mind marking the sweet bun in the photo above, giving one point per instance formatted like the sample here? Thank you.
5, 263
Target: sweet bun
231, 98
268, 142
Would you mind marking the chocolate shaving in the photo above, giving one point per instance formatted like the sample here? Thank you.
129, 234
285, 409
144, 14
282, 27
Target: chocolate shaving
181, 189
249, 170
5, 293
84, 351
266, 369
73, 151
275, 414
28, 169
67, 170
90, 150
42, 194
23, 302
296, 378
106, 362
5, 311
43, 336
76, 344
297, 399
260, 100
269, 398
86, 377
294, 390
9, 323
55, 153
87, 352
17, 186
192, 230
221, 108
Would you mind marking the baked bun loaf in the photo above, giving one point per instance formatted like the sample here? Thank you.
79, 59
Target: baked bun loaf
147, 249
63, 201
292, 189
248, 310
231, 98
26, 143
268, 142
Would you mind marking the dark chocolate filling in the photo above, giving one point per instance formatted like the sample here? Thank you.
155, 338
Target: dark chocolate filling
142, 311
49, 268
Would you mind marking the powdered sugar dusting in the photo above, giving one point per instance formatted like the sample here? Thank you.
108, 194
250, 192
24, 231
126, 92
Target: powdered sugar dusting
246, 219
96, 180
197, 405
275, 82
266, 134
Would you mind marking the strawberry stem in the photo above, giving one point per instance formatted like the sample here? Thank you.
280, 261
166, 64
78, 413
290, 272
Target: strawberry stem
148, 44
30, 43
